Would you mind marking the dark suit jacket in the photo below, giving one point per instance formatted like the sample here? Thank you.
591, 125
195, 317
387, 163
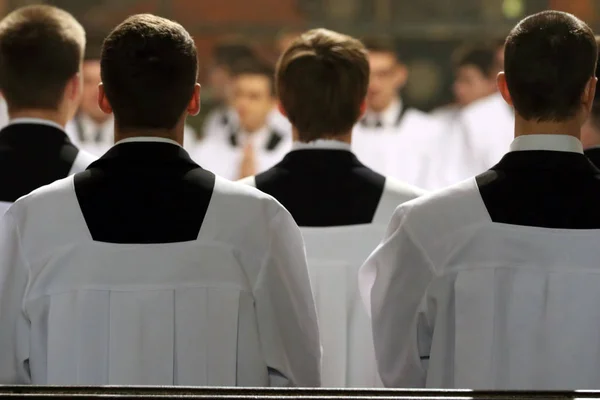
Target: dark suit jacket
31, 156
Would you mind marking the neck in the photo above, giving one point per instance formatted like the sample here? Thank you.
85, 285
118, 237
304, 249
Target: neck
381, 109
49, 115
344, 137
571, 127
176, 135
251, 130
97, 119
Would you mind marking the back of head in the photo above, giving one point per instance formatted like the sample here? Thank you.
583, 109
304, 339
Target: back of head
41, 49
322, 81
549, 59
149, 70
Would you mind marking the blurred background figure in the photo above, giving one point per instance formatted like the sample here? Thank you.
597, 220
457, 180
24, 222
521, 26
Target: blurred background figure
222, 116
422, 77
253, 144
391, 138
476, 69
91, 129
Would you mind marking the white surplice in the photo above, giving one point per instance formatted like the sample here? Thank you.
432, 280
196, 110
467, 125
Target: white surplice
232, 308
460, 301
335, 255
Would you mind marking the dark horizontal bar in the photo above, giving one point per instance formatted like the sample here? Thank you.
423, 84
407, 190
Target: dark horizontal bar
122, 392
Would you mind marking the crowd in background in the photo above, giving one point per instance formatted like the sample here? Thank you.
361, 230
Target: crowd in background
245, 133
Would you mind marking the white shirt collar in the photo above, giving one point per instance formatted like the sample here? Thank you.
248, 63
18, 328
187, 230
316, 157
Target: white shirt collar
322, 144
389, 116
90, 128
146, 139
259, 138
38, 121
547, 142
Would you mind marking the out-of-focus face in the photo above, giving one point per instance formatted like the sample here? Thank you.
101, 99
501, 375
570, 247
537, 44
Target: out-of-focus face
471, 85
220, 84
89, 100
253, 101
388, 76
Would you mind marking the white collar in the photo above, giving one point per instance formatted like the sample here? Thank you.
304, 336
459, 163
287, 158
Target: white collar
259, 138
90, 124
547, 142
389, 116
322, 144
141, 139
38, 121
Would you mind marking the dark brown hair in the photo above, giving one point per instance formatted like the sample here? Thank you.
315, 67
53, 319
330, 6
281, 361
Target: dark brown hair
149, 70
41, 48
257, 67
479, 55
549, 59
322, 81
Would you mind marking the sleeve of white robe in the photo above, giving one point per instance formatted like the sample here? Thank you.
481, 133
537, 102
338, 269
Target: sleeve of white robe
13, 322
402, 273
286, 310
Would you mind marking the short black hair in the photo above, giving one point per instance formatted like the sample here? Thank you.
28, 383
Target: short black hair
480, 56
255, 66
549, 59
229, 53
149, 71
41, 48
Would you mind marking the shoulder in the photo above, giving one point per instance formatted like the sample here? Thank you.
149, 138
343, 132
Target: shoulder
248, 197
439, 214
404, 190
82, 161
250, 181
46, 206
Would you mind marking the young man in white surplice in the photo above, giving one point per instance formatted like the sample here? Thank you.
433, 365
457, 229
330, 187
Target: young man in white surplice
147, 269
341, 205
493, 283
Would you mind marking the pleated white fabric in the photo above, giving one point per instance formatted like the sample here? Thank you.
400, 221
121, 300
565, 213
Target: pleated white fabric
224, 310
335, 255
452, 308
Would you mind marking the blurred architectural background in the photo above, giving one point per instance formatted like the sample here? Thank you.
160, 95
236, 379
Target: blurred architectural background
426, 31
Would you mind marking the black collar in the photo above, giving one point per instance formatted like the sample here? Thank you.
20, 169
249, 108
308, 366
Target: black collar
147, 154
559, 161
397, 122
33, 135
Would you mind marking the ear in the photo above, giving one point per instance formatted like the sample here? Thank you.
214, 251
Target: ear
589, 93
401, 75
193, 107
363, 108
74, 87
103, 102
503, 88
281, 109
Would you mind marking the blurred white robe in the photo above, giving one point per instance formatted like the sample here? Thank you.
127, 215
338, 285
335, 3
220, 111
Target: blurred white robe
401, 148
